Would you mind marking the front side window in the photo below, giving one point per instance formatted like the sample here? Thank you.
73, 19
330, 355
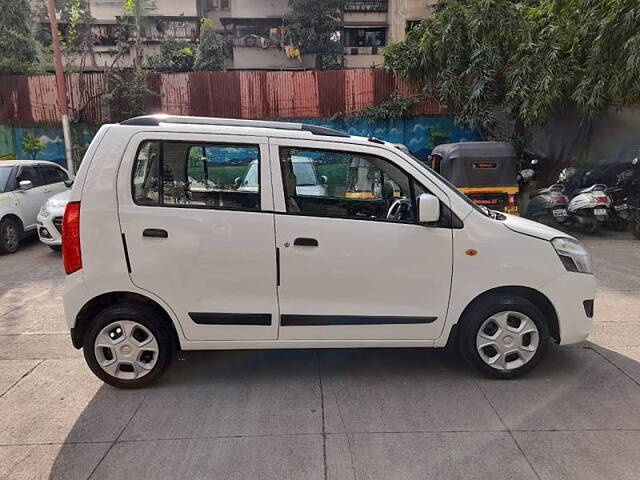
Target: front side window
347, 185
51, 174
5, 172
184, 174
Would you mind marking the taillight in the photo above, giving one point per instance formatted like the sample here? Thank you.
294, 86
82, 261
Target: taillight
71, 254
511, 200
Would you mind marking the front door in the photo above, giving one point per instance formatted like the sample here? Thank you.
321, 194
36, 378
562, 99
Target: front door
354, 264
196, 238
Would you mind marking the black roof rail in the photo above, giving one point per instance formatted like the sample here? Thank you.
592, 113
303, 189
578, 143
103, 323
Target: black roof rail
155, 120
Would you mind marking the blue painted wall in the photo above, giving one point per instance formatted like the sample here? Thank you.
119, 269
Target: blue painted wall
419, 134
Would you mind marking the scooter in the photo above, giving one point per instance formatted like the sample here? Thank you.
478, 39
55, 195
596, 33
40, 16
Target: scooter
625, 200
589, 208
547, 205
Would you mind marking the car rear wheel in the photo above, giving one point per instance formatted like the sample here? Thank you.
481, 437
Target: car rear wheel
10, 233
504, 337
128, 346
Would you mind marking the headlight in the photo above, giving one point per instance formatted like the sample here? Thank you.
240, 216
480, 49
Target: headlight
573, 255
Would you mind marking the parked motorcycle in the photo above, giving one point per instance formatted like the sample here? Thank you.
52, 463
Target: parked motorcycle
547, 205
625, 210
589, 204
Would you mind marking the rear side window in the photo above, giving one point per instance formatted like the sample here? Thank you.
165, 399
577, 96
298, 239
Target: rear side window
51, 174
184, 174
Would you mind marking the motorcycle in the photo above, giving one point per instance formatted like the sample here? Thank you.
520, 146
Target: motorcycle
547, 205
626, 199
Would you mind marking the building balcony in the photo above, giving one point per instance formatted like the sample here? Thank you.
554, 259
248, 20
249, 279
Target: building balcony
366, 6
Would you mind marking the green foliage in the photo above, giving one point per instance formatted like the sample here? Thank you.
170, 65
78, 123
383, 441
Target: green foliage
527, 60
32, 145
129, 94
314, 26
175, 56
395, 108
437, 136
210, 52
18, 50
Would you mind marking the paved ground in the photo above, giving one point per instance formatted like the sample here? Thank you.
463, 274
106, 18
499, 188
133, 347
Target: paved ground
337, 414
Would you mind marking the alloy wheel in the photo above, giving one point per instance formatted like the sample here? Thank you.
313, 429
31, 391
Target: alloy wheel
126, 349
507, 340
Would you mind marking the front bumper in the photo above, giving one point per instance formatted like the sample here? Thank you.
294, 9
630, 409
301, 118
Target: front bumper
48, 232
568, 294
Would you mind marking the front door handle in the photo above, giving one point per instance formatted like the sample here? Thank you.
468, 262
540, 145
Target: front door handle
305, 242
155, 232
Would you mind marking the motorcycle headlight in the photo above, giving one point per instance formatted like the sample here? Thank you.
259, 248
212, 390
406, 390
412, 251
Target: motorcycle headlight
573, 255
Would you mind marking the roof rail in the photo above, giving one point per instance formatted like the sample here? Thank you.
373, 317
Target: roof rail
156, 120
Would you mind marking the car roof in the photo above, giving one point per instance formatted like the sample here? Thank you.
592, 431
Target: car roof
13, 163
476, 149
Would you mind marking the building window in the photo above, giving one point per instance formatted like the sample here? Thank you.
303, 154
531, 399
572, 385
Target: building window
365, 6
411, 24
218, 4
365, 37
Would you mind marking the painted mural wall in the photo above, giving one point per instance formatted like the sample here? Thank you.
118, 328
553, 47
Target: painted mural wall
419, 134
12, 140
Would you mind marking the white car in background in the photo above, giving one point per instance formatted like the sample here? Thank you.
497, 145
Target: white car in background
50, 220
24, 186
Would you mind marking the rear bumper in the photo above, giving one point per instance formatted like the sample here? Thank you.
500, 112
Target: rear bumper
572, 296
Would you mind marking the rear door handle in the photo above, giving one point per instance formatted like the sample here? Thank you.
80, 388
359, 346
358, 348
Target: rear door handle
155, 232
305, 242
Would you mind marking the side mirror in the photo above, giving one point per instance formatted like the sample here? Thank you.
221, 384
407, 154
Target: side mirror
68, 183
25, 185
428, 208
324, 179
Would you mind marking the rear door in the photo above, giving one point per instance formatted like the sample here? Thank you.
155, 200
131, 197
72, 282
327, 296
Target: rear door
354, 263
53, 178
195, 239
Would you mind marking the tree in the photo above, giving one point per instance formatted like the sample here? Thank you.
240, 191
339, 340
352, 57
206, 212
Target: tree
18, 50
32, 145
129, 94
175, 56
314, 26
76, 40
210, 52
132, 26
526, 60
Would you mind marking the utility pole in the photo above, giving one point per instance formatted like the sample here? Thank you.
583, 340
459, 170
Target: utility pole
62, 87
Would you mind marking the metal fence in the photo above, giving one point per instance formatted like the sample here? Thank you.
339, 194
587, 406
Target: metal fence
252, 94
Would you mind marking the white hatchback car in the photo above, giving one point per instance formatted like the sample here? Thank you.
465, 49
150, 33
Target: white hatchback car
24, 186
154, 265
50, 220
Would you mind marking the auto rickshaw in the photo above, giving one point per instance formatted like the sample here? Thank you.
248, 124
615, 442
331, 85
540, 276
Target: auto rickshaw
485, 171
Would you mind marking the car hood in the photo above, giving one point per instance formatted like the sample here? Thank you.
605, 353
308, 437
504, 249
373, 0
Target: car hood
531, 228
59, 200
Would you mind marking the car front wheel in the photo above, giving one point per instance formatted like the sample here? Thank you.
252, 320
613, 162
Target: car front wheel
128, 346
504, 337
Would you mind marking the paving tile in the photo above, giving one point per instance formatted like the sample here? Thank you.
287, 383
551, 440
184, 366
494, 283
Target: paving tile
51, 462
583, 455
394, 390
241, 458
572, 389
616, 334
625, 358
30, 346
61, 401
406, 456
42, 315
13, 370
233, 393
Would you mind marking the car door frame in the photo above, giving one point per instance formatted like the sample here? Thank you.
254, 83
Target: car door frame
194, 331
275, 143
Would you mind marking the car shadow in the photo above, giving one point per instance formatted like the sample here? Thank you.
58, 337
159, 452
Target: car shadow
233, 394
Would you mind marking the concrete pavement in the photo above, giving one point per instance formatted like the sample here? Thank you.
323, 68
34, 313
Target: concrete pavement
319, 414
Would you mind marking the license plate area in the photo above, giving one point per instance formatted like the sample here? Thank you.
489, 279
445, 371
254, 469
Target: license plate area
600, 212
559, 212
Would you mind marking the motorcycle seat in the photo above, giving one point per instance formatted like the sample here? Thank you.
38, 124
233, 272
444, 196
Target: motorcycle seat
552, 188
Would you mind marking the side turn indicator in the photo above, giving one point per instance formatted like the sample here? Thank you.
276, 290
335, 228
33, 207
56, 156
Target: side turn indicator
471, 252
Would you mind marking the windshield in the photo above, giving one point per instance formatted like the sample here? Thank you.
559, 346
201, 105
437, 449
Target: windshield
4, 178
305, 174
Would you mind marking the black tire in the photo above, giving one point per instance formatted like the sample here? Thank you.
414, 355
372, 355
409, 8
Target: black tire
56, 248
473, 319
590, 227
144, 315
10, 235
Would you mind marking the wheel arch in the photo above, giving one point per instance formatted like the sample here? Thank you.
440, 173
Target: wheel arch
94, 306
15, 217
534, 296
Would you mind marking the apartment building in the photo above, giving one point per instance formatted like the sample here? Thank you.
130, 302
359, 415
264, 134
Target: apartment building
162, 19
